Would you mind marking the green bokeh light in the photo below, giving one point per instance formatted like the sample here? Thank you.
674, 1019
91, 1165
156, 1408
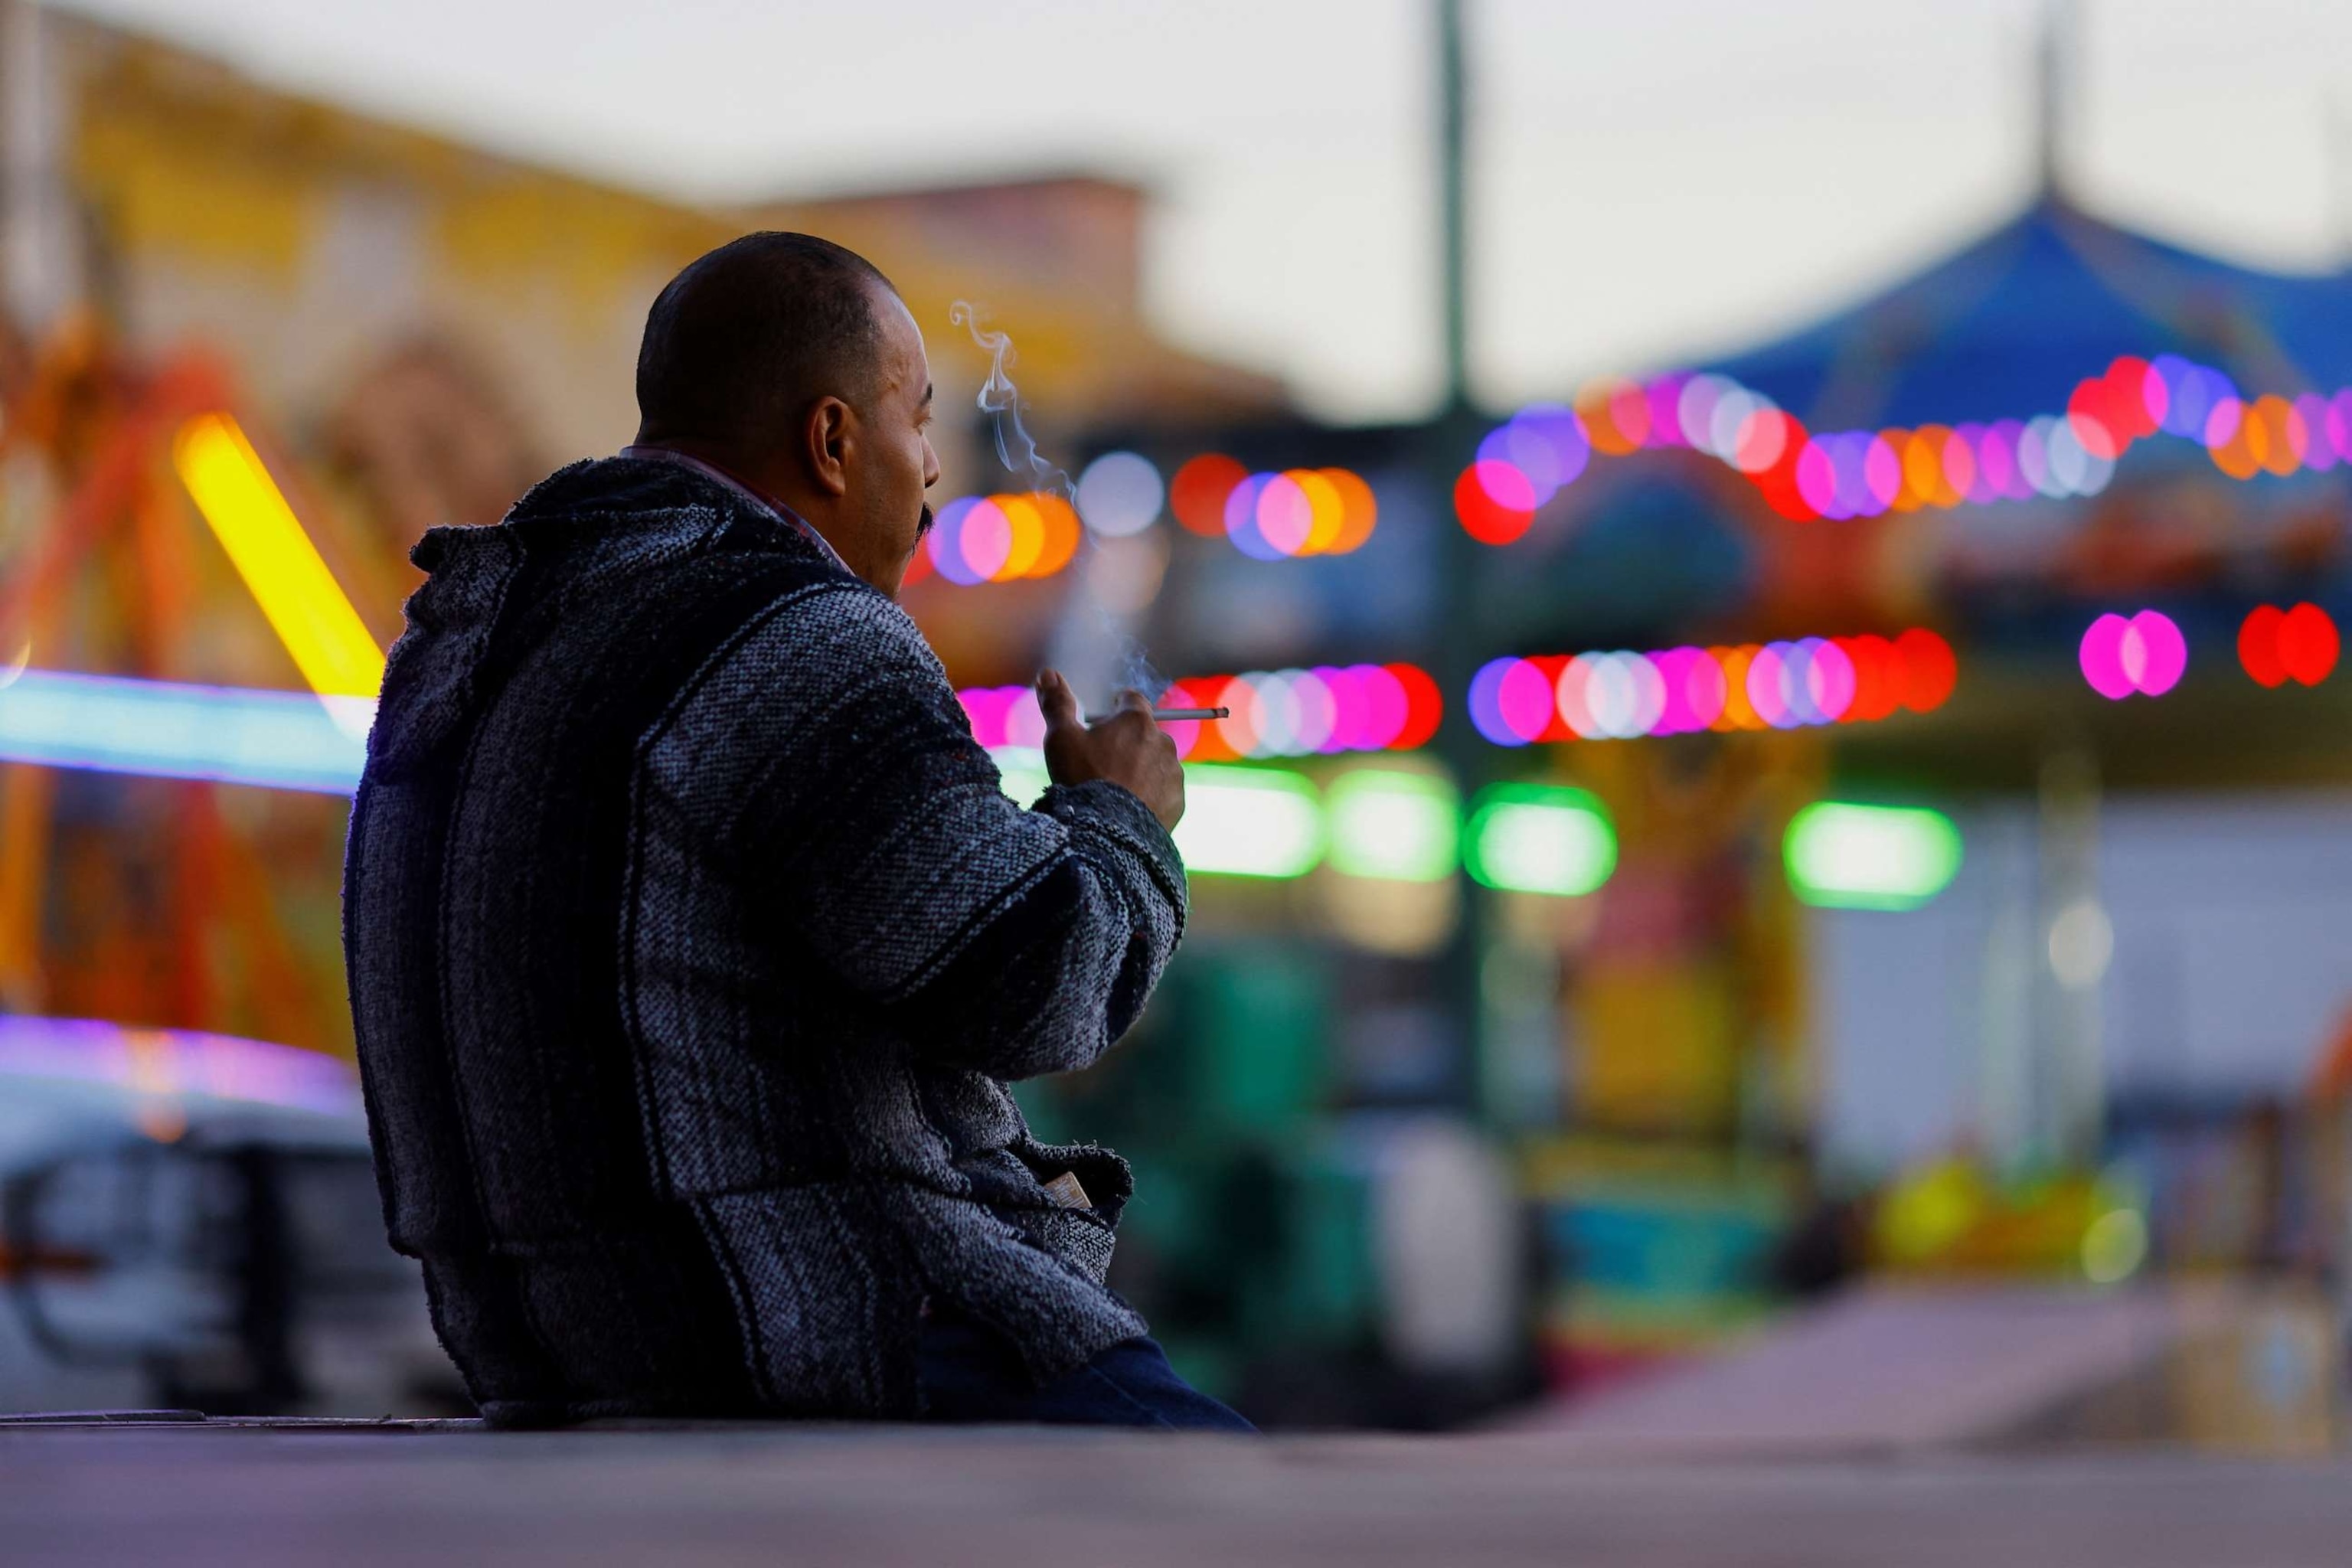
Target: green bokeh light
1396, 827
1023, 771
1249, 822
1238, 822
1540, 839
1869, 857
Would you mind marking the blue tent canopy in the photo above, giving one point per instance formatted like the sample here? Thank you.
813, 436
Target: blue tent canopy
2006, 327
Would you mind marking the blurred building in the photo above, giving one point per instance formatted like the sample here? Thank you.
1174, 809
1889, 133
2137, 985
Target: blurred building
411, 332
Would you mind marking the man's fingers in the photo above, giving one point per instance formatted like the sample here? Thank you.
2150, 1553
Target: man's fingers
1057, 701
1130, 701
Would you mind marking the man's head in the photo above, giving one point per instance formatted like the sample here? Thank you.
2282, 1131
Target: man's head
792, 364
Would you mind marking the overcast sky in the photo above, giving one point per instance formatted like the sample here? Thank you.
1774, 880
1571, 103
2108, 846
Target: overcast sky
1654, 179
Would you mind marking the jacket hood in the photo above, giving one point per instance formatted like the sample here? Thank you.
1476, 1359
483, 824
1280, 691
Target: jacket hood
592, 517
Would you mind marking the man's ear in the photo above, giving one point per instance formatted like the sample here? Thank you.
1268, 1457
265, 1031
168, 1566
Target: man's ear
826, 438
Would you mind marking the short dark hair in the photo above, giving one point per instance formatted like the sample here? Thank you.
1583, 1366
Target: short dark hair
751, 333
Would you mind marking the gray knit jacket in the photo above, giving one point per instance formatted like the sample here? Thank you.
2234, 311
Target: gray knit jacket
691, 941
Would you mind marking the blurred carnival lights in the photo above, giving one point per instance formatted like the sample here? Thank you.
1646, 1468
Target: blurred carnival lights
1540, 838
1250, 822
1002, 538
1780, 686
2278, 645
1294, 513
1119, 494
1394, 826
2145, 653
1847, 856
177, 1062
1274, 823
282, 568
277, 740
1835, 475
2114, 1245
1275, 713
2081, 944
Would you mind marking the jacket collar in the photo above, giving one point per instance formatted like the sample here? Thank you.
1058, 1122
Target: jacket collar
767, 503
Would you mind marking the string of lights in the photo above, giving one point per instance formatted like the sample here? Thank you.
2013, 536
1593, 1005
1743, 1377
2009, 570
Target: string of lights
1777, 685
1272, 713
1522, 464
2278, 645
2143, 655
1293, 513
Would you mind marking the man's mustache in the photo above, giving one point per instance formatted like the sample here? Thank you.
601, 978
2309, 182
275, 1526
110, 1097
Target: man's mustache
923, 527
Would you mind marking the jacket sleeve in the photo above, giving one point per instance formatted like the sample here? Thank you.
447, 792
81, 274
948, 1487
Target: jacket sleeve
826, 758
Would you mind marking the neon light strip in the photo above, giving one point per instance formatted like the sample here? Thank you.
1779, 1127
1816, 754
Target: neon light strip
1002, 538
2278, 645
281, 567
1846, 857
1778, 686
1238, 822
277, 740
1271, 516
1522, 464
1275, 713
177, 1062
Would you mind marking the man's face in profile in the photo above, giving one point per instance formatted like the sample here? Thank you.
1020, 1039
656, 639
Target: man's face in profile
896, 464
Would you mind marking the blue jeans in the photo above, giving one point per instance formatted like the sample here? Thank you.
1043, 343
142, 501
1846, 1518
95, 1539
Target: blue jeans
971, 1373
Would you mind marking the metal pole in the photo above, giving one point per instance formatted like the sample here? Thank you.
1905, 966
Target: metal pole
2078, 941
1453, 435
2054, 58
1454, 92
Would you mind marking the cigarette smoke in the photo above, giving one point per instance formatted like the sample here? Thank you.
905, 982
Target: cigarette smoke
1135, 669
1093, 641
1001, 401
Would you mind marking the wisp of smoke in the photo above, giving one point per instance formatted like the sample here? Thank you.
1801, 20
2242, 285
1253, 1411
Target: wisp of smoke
1001, 401
1135, 669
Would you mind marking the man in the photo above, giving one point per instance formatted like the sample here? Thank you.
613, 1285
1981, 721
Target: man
691, 938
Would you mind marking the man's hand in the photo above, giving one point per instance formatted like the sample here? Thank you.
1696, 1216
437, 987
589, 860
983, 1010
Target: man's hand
1129, 748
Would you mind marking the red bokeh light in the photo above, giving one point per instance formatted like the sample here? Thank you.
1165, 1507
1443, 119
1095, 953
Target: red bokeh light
2277, 645
1425, 707
1484, 519
2128, 413
1926, 670
1198, 492
2258, 646
1779, 482
2308, 644
1877, 678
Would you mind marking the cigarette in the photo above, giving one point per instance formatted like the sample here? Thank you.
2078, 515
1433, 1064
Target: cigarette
1171, 715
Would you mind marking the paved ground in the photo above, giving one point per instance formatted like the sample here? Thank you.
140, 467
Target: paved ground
884, 1496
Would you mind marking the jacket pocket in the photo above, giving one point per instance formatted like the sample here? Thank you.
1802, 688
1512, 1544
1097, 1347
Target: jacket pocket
1079, 1238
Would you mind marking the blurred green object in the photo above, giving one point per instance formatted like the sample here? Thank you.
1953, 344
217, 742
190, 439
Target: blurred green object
1848, 856
1393, 826
1297, 1254
1238, 822
1255, 1021
1217, 1102
1540, 839
1249, 822
1654, 1250
1022, 773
